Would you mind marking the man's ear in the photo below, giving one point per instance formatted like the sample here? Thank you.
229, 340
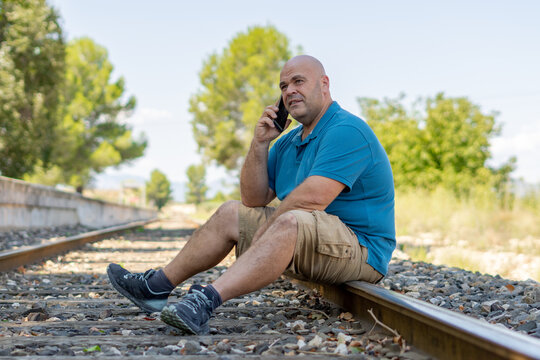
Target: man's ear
325, 82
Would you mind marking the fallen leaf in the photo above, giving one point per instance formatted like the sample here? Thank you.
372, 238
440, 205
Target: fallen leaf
510, 287
315, 316
92, 349
346, 316
36, 316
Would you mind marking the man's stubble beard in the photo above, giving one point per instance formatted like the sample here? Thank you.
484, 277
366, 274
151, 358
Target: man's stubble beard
311, 111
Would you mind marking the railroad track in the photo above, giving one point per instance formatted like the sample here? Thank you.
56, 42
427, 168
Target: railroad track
442, 333
11, 259
67, 309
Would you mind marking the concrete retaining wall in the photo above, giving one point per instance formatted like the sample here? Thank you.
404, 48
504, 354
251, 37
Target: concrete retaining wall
24, 205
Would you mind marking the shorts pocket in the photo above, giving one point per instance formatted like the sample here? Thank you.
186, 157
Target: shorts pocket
333, 237
337, 250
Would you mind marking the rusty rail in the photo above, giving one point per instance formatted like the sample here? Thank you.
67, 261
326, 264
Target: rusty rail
14, 258
440, 332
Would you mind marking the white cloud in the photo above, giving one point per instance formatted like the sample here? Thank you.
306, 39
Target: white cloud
525, 145
523, 141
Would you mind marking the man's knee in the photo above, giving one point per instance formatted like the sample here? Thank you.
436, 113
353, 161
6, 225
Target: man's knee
286, 221
228, 209
227, 217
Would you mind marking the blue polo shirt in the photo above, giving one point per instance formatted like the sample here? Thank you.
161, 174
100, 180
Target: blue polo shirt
344, 148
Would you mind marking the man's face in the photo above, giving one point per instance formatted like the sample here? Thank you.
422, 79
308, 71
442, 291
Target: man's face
301, 91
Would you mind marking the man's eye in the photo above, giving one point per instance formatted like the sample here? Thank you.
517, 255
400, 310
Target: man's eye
299, 81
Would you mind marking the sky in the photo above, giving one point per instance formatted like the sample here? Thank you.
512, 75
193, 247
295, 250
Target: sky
488, 51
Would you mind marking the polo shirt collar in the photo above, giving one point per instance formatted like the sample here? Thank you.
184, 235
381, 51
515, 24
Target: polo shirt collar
332, 109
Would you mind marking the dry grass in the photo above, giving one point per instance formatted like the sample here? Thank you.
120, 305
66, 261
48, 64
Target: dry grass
475, 233
478, 222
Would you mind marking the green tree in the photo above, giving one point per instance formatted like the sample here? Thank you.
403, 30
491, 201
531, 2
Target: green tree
456, 143
444, 144
32, 55
236, 85
398, 130
196, 184
91, 135
158, 189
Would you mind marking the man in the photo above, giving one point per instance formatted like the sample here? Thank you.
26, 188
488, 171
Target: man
335, 222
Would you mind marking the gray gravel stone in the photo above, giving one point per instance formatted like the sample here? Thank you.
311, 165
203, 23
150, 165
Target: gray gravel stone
191, 347
260, 348
165, 351
152, 351
528, 326
223, 347
5, 352
48, 351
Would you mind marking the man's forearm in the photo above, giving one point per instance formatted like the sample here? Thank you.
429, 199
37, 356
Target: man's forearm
254, 187
254, 176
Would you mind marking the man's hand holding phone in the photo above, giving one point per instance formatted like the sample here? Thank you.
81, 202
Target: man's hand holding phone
280, 121
272, 122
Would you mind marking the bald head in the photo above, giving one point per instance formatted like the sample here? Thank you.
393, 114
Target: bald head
305, 89
307, 62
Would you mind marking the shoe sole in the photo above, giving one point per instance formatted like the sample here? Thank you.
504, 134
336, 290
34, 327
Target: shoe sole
170, 318
121, 290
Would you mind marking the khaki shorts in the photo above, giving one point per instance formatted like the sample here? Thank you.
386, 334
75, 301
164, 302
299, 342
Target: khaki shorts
327, 251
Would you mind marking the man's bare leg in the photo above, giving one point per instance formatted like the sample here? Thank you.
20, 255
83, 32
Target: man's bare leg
207, 246
263, 262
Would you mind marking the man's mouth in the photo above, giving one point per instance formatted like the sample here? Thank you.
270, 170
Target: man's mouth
294, 101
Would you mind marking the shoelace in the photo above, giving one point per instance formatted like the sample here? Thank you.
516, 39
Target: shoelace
195, 299
139, 276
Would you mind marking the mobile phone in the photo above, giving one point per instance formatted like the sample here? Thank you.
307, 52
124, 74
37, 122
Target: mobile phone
282, 115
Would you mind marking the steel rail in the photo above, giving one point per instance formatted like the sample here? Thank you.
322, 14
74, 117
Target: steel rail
11, 259
440, 332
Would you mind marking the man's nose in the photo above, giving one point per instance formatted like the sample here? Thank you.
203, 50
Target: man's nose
291, 90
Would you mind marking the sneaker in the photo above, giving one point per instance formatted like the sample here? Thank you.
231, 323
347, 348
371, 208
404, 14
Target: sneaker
191, 314
134, 286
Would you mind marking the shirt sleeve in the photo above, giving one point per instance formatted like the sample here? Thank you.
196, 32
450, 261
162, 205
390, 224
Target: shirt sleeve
344, 154
272, 159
